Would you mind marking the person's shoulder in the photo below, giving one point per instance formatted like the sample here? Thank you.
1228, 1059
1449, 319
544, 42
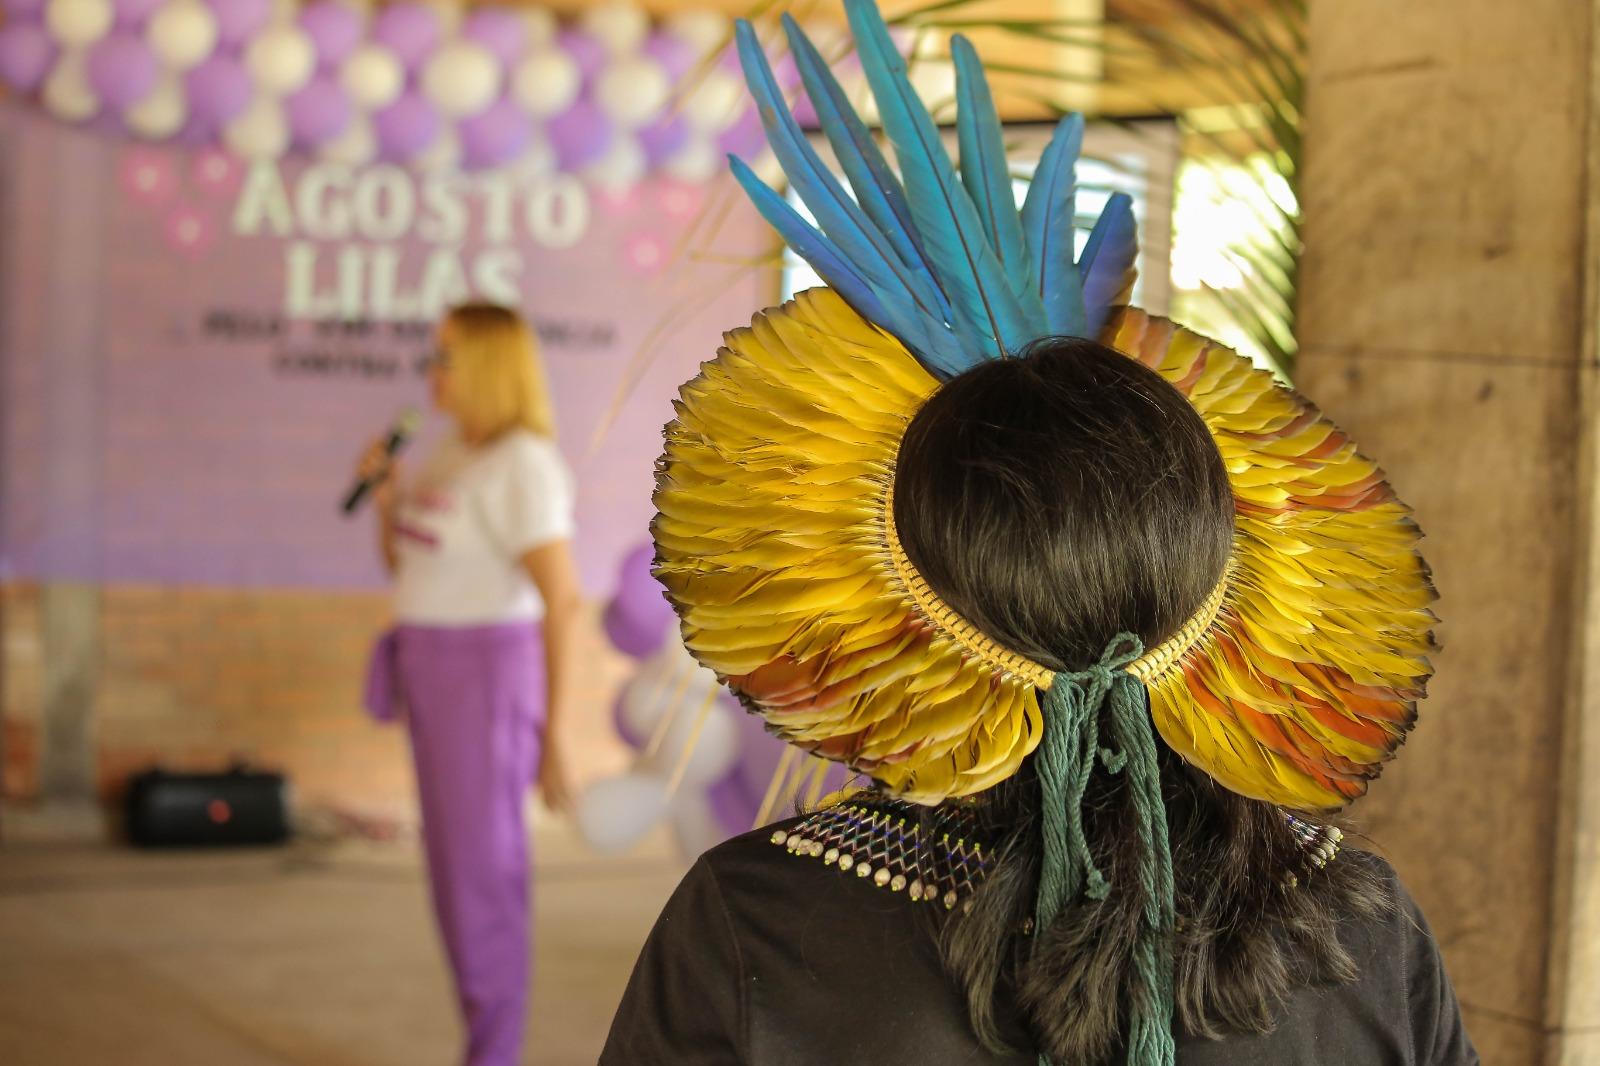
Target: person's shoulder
523, 449
761, 841
744, 862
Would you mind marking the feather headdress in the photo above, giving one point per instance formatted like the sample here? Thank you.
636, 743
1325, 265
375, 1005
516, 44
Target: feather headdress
1293, 683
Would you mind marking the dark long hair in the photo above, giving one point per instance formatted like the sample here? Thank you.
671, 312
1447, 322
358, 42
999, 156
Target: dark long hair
1056, 500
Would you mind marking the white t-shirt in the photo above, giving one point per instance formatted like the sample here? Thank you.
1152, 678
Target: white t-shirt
467, 519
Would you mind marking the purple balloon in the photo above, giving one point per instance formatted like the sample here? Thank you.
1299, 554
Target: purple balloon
629, 633
410, 31
19, 9
501, 31
498, 134
732, 805
619, 719
662, 139
218, 90
26, 55
676, 55
122, 70
744, 138
197, 132
238, 20
585, 50
406, 127
319, 112
581, 135
334, 28
132, 14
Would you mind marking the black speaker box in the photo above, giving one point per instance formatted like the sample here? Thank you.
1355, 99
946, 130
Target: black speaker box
241, 806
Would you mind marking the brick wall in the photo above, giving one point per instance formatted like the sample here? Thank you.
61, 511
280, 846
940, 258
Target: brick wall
191, 678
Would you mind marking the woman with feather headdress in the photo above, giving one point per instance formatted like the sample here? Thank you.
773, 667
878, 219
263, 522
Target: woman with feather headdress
1109, 620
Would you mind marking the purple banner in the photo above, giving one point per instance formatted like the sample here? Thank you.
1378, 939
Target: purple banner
195, 348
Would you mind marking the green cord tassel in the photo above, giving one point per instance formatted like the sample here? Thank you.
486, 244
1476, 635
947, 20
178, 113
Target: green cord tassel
1067, 751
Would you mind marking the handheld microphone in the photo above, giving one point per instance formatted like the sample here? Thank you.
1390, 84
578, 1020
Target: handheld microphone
399, 433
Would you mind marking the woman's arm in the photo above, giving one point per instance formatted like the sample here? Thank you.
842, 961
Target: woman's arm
378, 467
553, 573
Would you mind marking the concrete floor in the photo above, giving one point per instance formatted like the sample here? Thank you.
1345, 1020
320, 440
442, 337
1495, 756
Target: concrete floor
314, 955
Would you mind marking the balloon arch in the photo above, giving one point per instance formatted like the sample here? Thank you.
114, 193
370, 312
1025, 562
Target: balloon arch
610, 95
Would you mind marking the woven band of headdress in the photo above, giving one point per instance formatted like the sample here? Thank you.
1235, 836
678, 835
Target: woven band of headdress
1148, 666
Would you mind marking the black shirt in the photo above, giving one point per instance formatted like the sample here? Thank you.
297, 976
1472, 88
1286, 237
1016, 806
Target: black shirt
766, 959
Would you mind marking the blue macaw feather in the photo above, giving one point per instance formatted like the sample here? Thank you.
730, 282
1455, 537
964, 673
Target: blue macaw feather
823, 255
987, 178
927, 338
951, 232
877, 189
869, 251
1108, 265
1048, 219
940, 260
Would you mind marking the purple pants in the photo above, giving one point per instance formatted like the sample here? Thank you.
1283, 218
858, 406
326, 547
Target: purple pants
474, 700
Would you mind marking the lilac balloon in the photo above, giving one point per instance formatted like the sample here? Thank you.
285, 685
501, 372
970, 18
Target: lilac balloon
619, 720
675, 55
498, 134
197, 131
662, 139
27, 53
334, 28
319, 112
122, 70
406, 127
19, 9
131, 14
581, 135
410, 31
744, 138
218, 90
585, 50
503, 32
629, 633
732, 805
238, 20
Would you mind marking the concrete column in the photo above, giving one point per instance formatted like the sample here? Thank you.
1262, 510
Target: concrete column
1447, 320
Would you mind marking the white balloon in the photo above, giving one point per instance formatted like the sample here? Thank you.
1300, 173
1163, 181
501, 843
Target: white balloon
547, 82
704, 30
355, 146
461, 78
698, 160
67, 94
633, 90
442, 156
617, 813
622, 166
182, 34
622, 28
260, 133
77, 23
694, 823
373, 77
714, 104
161, 114
714, 750
542, 26
281, 59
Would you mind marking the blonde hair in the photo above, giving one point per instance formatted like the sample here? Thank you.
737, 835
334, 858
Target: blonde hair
497, 378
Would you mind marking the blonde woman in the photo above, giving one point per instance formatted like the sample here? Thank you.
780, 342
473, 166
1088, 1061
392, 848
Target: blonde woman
486, 601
